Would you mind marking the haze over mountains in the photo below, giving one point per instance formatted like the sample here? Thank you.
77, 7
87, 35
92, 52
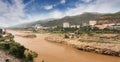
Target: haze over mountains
76, 20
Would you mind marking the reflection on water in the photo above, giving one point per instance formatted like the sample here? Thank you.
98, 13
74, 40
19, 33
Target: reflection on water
54, 52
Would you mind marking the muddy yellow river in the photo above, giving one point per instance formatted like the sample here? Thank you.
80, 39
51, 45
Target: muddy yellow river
54, 52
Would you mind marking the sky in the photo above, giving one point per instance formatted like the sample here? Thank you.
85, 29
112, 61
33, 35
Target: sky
13, 12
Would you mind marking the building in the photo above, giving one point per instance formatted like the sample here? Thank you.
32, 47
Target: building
73, 26
84, 24
78, 26
66, 25
38, 26
92, 22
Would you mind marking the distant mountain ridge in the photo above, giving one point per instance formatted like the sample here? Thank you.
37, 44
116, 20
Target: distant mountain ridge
76, 20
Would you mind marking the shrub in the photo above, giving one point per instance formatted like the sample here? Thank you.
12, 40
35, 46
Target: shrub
66, 36
7, 46
90, 34
34, 54
17, 50
29, 58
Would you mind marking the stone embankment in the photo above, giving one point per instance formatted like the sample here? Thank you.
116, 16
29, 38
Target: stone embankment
101, 48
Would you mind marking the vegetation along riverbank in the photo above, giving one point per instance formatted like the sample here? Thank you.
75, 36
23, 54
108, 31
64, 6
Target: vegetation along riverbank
12, 51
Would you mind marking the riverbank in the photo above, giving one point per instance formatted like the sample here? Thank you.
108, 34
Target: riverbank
96, 47
10, 50
5, 56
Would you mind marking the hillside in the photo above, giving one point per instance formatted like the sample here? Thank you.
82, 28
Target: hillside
79, 19
115, 16
30, 24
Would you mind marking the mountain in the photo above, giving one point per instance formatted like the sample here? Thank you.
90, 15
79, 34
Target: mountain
79, 19
30, 24
75, 20
111, 17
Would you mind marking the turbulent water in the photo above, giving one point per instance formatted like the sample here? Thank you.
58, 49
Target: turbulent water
54, 52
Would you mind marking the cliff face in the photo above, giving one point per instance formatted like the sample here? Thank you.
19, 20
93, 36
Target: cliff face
4, 56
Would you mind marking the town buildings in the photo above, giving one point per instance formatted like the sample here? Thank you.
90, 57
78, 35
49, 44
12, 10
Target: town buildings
68, 25
101, 24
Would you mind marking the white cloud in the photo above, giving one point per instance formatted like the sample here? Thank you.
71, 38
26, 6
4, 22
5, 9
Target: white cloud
86, 1
12, 14
53, 14
102, 6
63, 1
48, 7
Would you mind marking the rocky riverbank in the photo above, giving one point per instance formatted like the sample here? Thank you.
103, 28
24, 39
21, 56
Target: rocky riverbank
4, 56
101, 48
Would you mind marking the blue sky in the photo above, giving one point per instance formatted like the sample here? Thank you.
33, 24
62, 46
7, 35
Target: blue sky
14, 12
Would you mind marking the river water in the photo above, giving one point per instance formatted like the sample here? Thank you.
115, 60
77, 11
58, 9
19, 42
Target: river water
54, 52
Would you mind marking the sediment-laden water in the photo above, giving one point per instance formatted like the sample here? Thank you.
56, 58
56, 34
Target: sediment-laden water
54, 52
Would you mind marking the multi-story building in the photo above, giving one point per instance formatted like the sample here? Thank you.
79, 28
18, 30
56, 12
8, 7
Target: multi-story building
92, 22
38, 26
66, 25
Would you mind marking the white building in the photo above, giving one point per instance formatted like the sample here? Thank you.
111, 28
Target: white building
66, 25
78, 26
92, 22
38, 26
75, 26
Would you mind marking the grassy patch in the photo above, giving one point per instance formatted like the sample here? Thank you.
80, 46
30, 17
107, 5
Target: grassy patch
97, 41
